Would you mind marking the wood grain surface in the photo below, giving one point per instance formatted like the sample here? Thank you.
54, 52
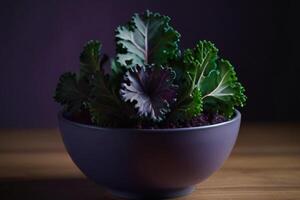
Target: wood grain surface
265, 164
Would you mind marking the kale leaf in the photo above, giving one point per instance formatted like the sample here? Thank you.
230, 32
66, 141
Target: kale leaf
90, 90
91, 60
211, 83
221, 91
200, 61
146, 39
71, 93
105, 106
152, 90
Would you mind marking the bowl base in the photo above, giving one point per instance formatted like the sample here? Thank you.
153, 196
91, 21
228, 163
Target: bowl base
172, 193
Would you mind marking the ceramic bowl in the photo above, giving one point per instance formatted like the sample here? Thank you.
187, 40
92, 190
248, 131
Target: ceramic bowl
149, 163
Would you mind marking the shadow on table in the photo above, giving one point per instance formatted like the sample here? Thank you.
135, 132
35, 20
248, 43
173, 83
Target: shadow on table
66, 189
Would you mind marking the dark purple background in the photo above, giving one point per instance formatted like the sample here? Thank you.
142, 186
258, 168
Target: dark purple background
39, 40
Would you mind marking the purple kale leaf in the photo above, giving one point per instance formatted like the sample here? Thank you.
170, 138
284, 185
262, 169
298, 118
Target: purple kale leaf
152, 90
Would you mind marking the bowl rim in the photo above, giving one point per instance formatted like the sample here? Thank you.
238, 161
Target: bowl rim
63, 119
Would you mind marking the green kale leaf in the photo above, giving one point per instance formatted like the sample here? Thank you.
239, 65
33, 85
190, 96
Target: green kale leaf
221, 90
210, 84
104, 103
188, 105
71, 93
105, 106
146, 39
90, 58
193, 66
199, 62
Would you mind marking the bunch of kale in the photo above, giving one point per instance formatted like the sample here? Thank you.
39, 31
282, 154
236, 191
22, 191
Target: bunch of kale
151, 81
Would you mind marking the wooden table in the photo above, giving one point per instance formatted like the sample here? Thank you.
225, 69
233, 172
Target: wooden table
265, 164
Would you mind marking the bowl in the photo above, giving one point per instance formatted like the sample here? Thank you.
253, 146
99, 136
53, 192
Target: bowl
149, 163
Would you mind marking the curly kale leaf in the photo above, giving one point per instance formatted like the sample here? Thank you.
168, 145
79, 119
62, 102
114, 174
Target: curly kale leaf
152, 90
210, 84
71, 93
189, 103
105, 106
90, 59
192, 105
221, 90
200, 61
197, 63
146, 39
187, 106
193, 66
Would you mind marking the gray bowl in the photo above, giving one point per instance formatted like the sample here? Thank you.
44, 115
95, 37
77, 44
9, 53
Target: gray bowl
149, 163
